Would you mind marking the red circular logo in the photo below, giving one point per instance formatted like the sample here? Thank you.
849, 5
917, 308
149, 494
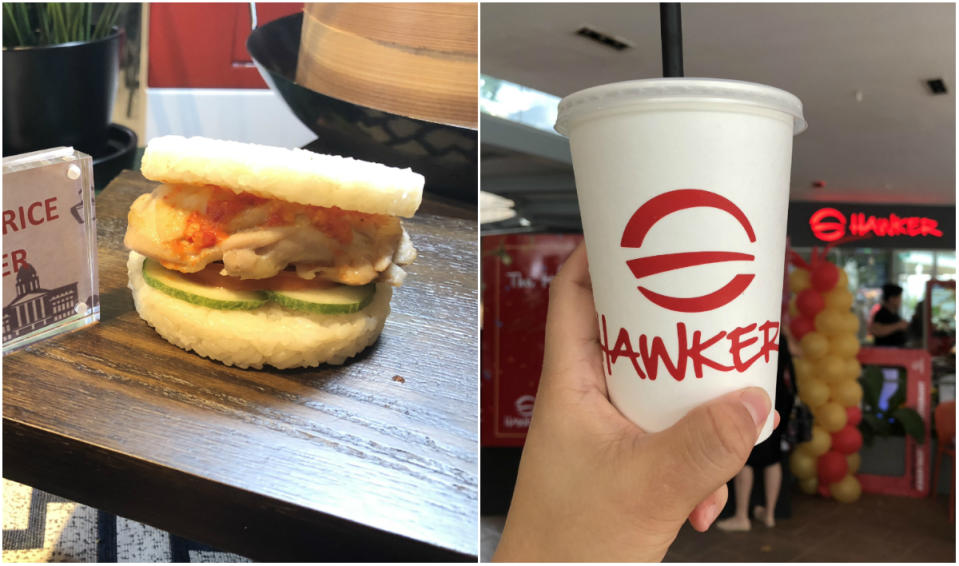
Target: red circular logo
652, 212
828, 224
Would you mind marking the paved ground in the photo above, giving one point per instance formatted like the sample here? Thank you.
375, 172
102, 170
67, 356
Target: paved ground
876, 528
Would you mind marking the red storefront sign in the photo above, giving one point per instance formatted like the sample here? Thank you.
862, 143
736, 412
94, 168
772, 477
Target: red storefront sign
890, 226
516, 272
829, 225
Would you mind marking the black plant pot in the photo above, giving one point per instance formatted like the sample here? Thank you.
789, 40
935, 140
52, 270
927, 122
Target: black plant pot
59, 95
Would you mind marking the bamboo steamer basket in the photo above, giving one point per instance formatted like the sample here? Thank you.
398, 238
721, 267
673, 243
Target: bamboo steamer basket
412, 59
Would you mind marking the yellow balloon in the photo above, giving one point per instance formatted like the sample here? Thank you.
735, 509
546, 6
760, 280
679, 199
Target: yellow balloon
843, 282
820, 442
854, 460
814, 345
799, 280
839, 299
804, 447
802, 464
847, 393
853, 369
804, 368
830, 368
793, 309
829, 322
844, 345
831, 416
809, 486
813, 392
846, 490
850, 323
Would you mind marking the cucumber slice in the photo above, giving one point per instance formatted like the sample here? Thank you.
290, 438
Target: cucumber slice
342, 299
177, 286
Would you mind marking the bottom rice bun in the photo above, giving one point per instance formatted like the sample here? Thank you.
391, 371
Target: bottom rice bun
269, 334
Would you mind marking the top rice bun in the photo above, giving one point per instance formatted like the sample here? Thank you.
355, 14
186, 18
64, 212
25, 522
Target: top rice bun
293, 175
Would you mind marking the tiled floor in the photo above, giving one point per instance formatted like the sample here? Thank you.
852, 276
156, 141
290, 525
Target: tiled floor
876, 528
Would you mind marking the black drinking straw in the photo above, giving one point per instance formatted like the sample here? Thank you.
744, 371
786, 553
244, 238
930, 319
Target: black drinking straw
671, 33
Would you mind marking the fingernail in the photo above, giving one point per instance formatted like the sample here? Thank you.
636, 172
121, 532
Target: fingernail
757, 403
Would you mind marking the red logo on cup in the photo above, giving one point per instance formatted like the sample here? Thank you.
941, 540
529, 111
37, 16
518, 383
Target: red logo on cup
652, 212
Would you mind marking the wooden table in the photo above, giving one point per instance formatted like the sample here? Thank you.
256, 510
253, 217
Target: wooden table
375, 460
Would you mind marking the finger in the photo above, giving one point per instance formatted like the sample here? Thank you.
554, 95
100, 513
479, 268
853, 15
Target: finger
776, 420
708, 510
572, 334
707, 447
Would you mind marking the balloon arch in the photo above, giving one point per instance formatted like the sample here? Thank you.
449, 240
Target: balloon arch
827, 374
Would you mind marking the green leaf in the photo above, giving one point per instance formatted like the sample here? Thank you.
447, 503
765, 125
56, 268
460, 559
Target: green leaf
880, 427
26, 28
108, 18
11, 27
64, 23
77, 20
871, 382
69, 21
59, 25
101, 22
898, 398
911, 422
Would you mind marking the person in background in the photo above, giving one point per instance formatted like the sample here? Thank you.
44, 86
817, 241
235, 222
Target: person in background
915, 325
888, 328
766, 457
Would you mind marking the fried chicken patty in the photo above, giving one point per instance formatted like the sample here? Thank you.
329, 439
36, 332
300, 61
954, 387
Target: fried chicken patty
187, 227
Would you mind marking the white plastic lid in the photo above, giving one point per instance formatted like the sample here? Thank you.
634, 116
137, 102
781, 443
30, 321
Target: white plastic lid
645, 91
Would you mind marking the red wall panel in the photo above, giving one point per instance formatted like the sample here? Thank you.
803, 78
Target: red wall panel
517, 269
204, 45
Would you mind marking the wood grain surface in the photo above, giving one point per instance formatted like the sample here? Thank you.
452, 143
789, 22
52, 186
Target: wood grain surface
375, 460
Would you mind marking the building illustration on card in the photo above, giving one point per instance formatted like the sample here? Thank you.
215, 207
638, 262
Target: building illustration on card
35, 307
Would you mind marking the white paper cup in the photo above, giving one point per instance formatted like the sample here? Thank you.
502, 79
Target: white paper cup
683, 187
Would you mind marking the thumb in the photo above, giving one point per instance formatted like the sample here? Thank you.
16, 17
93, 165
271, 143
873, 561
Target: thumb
709, 446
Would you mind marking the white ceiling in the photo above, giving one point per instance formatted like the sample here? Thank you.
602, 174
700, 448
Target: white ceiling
895, 145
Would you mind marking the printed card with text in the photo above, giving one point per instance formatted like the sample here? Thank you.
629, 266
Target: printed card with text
50, 282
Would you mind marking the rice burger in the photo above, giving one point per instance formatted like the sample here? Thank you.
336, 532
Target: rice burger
255, 255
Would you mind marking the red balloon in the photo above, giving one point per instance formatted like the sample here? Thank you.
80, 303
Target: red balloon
824, 276
853, 415
800, 326
809, 302
832, 467
847, 441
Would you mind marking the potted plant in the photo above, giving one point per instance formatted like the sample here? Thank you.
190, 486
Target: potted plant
895, 419
60, 66
884, 426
